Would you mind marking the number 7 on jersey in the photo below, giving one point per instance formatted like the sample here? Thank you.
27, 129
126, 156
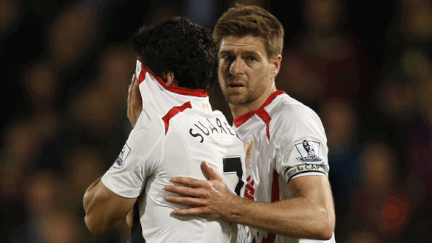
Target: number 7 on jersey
232, 167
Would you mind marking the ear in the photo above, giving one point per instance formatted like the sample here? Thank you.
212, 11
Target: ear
169, 78
276, 61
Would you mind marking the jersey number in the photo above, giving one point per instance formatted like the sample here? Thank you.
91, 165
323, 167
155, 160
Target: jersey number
234, 165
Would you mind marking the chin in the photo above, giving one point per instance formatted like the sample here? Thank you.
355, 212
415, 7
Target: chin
236, 99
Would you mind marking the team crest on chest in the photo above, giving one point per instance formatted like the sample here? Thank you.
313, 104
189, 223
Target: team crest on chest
309, 151
119, 163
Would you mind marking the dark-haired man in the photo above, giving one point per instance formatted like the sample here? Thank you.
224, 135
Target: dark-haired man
175, 131
288, 195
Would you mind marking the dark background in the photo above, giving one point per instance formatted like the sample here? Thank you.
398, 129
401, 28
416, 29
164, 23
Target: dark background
363, 66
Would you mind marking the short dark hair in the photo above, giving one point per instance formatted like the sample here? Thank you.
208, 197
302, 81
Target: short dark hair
241, 20
182, 47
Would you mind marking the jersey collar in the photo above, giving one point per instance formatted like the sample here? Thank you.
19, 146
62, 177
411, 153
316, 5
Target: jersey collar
260, 111
174, 89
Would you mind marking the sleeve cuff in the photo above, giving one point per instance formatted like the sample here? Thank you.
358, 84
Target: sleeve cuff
123, 192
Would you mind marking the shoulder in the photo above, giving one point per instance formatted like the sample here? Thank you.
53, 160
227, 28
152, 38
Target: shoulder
149, 128
289, 113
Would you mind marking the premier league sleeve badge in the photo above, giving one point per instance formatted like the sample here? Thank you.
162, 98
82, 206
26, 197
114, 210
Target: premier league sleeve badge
309, 151
119, 163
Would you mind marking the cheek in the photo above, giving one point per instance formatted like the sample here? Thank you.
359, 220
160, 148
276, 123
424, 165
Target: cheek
221, 76
260, 82
223, 65
223, 69
259, 77
221, 80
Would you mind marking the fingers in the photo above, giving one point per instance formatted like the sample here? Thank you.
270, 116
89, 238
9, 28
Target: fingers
134, 101
133, 79
129, 89
135, 86
187, 201
189, 182
209, 172
201, 211
187, 191
129, 97
199, 195
191, 197
133, 89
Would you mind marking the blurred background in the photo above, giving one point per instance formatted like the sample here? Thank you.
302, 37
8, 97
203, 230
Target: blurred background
364, 66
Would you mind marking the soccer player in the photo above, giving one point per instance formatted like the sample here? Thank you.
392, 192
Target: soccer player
175, 132
288, 196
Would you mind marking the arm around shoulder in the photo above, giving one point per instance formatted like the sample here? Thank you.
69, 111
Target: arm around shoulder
310, 214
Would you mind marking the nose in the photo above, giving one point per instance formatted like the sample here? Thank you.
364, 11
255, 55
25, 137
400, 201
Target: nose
236, 67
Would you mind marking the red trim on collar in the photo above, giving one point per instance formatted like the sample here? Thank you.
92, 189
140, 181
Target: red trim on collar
175, 89
261, 112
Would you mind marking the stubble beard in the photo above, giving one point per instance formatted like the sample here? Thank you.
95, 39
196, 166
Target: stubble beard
243, 97
239, 98
232, 96
236, 99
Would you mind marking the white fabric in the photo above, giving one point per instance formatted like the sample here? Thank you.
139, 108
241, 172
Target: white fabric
158, 150
284, 138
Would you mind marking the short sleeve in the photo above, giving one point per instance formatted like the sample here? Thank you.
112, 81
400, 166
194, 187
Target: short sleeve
302, 146
138, 158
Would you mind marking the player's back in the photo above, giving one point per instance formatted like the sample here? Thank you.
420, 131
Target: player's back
185, 132
192, 137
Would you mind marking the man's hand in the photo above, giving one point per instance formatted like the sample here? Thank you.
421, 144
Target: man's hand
310, 214
209, 198
134, 101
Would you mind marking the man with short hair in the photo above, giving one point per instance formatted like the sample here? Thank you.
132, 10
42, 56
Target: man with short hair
288, 196
175, 131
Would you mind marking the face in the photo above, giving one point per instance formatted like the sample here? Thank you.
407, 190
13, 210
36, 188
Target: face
246, 75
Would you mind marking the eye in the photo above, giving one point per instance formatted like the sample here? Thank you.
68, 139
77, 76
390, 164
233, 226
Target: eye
227, 57
252, 59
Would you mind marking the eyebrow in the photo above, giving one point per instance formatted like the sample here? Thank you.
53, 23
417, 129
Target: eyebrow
249, 52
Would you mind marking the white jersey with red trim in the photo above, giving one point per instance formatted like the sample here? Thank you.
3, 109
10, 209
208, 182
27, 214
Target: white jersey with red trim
283, 139
176, 131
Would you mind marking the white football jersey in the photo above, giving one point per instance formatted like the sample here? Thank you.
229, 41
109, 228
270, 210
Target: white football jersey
283, 139
176, 131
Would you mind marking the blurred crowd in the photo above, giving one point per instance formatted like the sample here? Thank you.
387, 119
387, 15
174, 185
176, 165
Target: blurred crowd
364, 67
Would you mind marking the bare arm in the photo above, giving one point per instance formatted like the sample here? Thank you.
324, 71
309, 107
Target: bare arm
309, 215
104, 209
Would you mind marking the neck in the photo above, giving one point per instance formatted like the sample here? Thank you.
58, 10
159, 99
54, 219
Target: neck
239, 110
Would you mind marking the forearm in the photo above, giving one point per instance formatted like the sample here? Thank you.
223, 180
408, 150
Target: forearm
310, 214
297, 217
